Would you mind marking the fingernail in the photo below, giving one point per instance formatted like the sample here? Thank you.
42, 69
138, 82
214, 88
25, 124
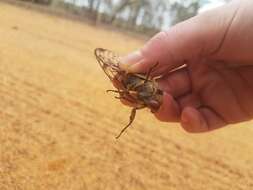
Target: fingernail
130, 60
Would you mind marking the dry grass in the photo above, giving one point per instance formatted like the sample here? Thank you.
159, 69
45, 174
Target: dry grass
57, 124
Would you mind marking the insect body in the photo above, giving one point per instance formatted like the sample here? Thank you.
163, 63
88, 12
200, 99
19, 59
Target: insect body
140, 90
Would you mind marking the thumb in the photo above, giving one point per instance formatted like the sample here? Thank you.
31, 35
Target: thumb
201, 35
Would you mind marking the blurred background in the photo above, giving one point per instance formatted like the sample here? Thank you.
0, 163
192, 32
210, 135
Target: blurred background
146, 16
58, 125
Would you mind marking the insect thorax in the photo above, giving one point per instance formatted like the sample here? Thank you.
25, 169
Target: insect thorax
144, 88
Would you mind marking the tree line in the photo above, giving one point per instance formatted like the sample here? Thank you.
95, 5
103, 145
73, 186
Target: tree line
147, 16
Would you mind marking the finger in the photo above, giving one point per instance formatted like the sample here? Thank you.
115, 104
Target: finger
213, 120
169, 110
201, 35
242, 89
189, 100
176, 83
192, 120
200, 120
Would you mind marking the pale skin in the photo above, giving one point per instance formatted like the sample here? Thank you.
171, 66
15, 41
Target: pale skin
213, 86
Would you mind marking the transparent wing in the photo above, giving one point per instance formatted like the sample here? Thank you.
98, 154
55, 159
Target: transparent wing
109, 62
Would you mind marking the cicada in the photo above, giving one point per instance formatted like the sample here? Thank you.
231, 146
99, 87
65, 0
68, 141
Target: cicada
140, 90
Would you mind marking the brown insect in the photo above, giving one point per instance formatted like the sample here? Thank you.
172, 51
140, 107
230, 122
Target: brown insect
140, 90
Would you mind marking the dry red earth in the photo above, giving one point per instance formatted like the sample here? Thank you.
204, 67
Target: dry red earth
57, 124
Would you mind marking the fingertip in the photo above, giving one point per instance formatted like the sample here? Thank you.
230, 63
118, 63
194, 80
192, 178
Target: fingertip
169, 110
192, 121
129, 62
154, 50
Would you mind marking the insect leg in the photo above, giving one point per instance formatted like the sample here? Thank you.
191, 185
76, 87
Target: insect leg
131, 119
150, 71
125, 98
116, 91
121, 93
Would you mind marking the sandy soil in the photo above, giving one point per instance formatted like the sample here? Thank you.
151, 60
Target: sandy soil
57, 124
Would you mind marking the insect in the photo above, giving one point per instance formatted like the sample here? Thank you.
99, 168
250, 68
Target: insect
140, 90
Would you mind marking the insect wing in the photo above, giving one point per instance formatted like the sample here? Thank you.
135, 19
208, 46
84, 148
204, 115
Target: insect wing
108, 61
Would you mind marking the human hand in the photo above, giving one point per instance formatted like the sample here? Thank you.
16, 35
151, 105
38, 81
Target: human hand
213, 53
